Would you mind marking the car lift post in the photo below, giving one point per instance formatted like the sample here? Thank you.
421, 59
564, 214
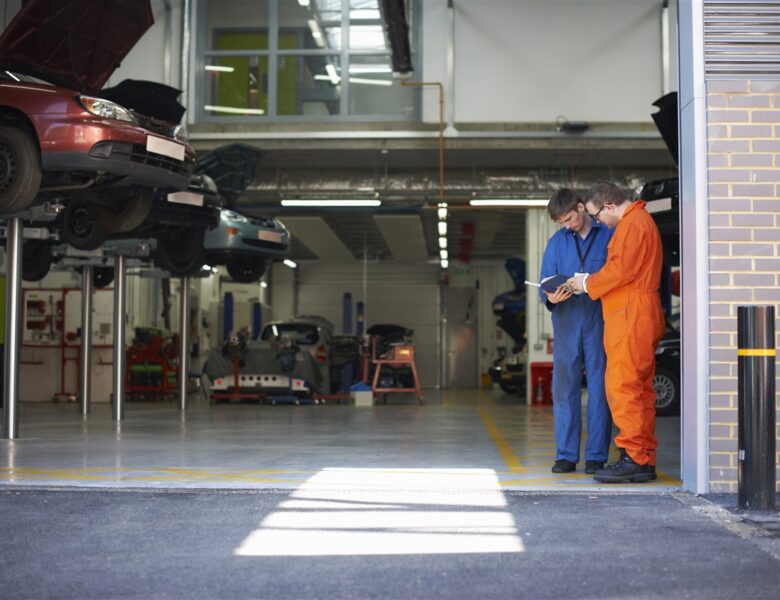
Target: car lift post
120, 308
184, 341
85, 385
13, 292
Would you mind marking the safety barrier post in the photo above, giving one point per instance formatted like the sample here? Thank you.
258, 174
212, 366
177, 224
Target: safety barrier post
756, 407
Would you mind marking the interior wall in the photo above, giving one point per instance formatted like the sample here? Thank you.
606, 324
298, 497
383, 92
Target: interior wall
533, 61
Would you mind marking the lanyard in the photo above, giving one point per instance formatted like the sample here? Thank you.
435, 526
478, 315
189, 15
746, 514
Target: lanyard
587, 249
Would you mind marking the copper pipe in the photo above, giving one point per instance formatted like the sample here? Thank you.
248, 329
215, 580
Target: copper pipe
441, 126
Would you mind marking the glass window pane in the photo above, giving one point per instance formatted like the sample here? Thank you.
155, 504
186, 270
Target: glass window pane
365, 26
310, 24
309, 85
373, 91
237, 24
236, 86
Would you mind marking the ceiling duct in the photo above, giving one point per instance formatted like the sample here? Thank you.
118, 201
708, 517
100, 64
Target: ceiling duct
397, 29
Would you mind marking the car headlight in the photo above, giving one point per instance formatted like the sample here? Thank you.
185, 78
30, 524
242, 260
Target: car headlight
106, 109
180, 133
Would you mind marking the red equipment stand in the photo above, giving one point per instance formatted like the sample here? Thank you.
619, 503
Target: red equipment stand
158, 352
400, 355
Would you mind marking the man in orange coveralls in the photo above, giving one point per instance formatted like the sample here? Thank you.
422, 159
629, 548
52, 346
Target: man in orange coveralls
633, 325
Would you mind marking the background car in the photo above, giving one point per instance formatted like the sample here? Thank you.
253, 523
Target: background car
66, 142
666, 381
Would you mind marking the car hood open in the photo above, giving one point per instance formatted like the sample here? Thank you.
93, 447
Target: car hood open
74, 43
148, 98
666, 121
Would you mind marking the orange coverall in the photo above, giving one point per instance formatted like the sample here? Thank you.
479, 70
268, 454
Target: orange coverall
633, 325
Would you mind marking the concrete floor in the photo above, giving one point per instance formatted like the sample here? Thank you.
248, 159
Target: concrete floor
459, 440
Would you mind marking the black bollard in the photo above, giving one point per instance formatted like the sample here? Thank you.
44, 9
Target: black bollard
756, 406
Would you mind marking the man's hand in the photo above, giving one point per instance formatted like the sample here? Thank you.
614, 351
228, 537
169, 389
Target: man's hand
562, 293
575, 283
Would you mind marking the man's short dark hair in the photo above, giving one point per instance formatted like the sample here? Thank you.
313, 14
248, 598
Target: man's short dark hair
562, 202
603, 193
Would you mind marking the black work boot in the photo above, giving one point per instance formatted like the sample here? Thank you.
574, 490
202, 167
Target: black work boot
563, 466
591, 466
625, 470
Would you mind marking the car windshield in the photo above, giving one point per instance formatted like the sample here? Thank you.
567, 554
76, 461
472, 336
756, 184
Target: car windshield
302, 333
20, 77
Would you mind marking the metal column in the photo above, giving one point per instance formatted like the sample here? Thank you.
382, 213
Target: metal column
85, 385
120, 318
13, 291
184, 341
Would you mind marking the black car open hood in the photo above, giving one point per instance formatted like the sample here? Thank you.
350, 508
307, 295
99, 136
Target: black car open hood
74, 43
232, 167
148, 98
666, 121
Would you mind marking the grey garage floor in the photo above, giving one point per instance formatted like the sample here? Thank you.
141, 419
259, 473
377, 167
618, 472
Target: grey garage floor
457, 440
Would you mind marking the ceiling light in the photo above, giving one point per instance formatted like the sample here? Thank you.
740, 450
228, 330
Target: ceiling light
442, 213
442, 227
316, 33
234, 110
220, 68
303, 2
442, 242
290, 263
361, 80
527, 202
445, 264
443, 254
334, 77
363, 69
328, 202
263, 284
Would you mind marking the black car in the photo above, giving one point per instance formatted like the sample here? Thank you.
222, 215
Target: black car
666, 382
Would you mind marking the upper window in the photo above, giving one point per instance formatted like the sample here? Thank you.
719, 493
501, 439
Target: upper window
296, 59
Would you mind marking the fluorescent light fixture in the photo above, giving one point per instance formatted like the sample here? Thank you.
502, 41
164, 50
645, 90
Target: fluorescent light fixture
527, 202
361, 80
443, 254
328, 202
445, 263
364, 69
316, 33
290, 263
220, 68
334, 77
303, 2
234, 110
442, 242
442, 227
442, 213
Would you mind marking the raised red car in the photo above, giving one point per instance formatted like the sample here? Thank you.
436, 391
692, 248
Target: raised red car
59, 137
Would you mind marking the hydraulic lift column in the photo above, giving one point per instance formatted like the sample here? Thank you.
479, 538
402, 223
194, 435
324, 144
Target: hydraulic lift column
184, 341
85, 385
120, 319
13, 292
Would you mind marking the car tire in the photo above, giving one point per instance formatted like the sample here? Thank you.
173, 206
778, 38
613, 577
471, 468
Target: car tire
129, 215
36, 259
181, 253
20, 169
246, 270
81, 225
666, 384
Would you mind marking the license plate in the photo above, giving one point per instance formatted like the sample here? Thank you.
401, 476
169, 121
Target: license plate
165, 147
190, 198
269, 236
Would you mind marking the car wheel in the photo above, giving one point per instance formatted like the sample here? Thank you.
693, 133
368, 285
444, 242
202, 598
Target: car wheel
20, 169
667, 391
246, 270
81, 226
181, 253
102, 276
128, 213
36, 259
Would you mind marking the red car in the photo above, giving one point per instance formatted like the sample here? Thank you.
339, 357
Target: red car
59, 138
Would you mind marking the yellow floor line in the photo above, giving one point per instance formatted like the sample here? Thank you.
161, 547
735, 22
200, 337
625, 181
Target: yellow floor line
504, 449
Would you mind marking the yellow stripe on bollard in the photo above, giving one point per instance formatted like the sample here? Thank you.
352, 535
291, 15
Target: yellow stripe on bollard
756, 352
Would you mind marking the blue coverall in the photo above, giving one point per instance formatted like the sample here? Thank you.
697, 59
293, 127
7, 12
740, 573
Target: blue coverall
578, 333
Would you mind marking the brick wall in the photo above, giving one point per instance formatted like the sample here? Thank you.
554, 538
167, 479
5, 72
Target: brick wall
743, 139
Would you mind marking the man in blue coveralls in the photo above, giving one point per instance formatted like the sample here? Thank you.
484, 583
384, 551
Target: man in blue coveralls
580, 246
